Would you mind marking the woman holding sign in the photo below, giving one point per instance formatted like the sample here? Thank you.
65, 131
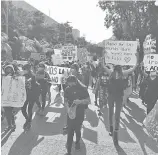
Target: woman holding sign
116, 92
11, 71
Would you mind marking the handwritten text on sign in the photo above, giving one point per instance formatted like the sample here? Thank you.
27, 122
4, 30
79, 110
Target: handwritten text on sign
82, 55
151, 62
58, 74
13, 91
120, 52
69, 53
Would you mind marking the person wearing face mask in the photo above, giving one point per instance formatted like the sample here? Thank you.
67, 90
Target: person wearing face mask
75, 72
43, 79
151, 93
32, 91
115, 96
76, 99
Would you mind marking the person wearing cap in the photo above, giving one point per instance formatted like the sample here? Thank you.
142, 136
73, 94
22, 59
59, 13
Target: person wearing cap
43, 79
116, 88
32, 91
76, 99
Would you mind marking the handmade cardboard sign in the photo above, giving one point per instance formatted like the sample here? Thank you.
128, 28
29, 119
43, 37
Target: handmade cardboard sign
13, 91
121, 52
151, 62
58, 74
69, 53
82, 55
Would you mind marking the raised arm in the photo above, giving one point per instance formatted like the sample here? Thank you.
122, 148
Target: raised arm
129, 71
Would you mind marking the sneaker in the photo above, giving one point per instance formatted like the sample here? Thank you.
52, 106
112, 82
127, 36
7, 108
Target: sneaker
111, 131
65, 130
77, 146
99, 113
25, 124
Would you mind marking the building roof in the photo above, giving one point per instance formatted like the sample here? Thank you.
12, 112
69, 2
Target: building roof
24, 5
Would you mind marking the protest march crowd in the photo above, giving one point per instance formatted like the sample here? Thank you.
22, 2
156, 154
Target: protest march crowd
112, 82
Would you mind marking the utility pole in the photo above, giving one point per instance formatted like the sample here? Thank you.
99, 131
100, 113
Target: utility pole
7, 17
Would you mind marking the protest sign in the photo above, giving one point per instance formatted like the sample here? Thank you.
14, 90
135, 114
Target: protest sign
149, 44
151, 122
69, 53
57, 58
38, 56
22, 62
82, 55
151, 62
58, 74
13, 91
121, 52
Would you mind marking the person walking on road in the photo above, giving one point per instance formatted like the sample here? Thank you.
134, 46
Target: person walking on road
76, 98
116, 92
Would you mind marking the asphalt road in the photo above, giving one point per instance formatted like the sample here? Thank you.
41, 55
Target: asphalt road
45, 136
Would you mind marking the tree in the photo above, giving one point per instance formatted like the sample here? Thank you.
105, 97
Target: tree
130, 19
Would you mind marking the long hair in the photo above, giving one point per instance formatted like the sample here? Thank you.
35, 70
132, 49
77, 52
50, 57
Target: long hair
118, 69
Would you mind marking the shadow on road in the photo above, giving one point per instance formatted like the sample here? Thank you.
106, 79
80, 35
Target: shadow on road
136, 112
82, 151
92, 117
142, 137
25, 143
90, 135
104, 118
120, 150
5, 136
124, 136
123, 133
50, 124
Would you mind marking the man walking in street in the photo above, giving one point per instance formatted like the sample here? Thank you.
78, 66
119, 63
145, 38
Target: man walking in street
76, 100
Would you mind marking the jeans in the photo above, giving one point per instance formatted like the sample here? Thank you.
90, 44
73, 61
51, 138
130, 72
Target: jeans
27, 109
43, 95
118, 103
73, 126
9, 116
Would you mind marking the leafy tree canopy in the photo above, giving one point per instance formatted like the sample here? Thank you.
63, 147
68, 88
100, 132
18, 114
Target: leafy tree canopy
131, 20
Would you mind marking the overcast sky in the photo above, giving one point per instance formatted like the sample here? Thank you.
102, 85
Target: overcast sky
84, 15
